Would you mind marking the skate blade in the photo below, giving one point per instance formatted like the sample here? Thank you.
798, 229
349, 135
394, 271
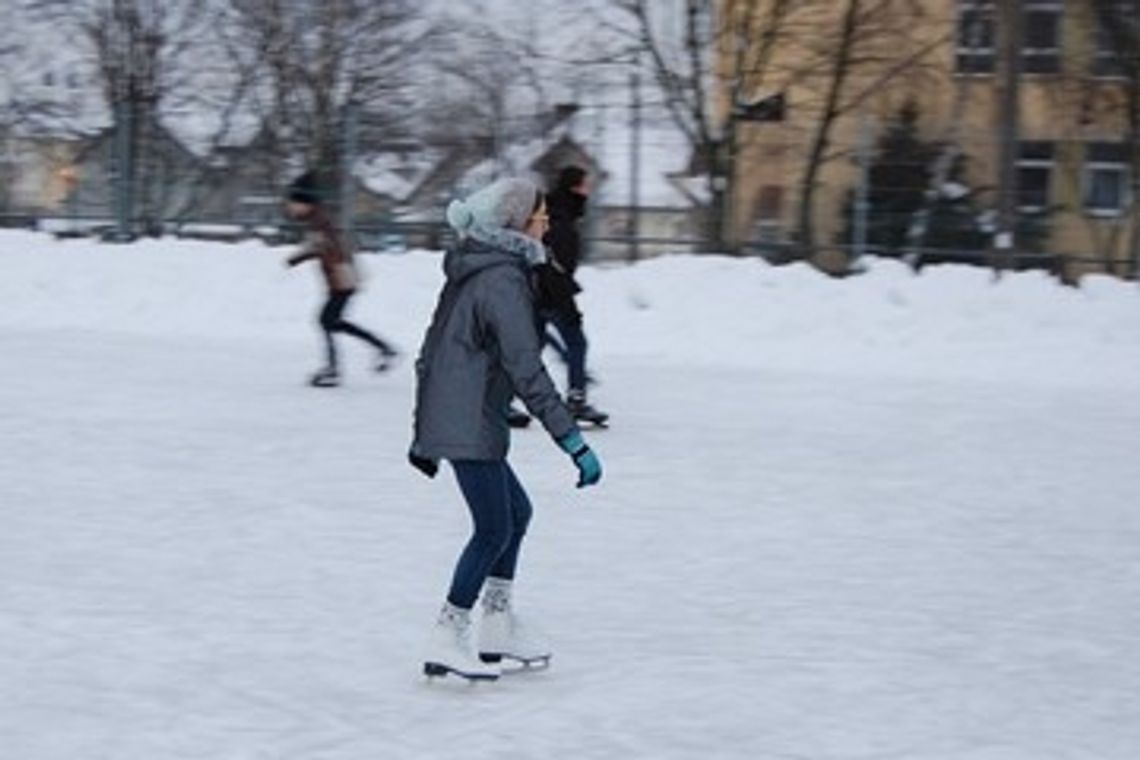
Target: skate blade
511, 664
439, 670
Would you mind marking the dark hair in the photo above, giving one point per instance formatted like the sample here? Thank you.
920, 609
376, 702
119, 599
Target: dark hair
305, 189
539, 197
570, 177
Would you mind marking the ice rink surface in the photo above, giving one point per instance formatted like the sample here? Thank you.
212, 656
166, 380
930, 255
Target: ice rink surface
797, 552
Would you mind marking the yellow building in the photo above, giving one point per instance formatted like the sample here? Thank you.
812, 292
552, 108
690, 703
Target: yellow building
1073, 161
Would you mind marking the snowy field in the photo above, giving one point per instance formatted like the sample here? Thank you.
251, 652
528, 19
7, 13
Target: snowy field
888, 518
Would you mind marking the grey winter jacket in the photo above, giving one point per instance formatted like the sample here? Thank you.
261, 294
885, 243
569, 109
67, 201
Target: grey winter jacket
481, 348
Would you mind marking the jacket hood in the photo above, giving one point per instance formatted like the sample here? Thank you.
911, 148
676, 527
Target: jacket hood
470, 256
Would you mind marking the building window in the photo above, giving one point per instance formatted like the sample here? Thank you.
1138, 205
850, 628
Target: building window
1114, 37
1106, 179
767, 224
1041, 37
978, 36
1034, 172
770, 202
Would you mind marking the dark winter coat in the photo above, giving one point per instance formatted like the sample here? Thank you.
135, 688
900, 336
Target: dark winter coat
324, 243
480, 350
565, 208
556, 285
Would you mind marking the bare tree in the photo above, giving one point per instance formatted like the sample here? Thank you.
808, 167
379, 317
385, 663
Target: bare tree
9, 49
711, 60
1117, 24
315, 60
714, 60
488, 87
148, 55
868, 47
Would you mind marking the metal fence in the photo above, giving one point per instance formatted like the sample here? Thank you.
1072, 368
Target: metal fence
395, 235
400, 236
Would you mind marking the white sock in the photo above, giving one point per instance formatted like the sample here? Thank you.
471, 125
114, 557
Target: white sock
451, 612
496, 594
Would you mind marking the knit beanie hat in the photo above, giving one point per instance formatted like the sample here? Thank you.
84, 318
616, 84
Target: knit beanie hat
305, 189
505, 203
496, 216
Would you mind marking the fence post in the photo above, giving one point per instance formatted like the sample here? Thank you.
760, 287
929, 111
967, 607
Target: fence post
123, 172
862, 191
348, 159
635, 161
1010, 38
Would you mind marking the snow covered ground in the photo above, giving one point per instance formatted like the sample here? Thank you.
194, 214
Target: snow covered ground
888, 517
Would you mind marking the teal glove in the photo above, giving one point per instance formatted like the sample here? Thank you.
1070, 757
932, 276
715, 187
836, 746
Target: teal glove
589, 467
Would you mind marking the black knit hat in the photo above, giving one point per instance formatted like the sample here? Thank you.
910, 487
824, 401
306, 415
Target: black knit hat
305, 189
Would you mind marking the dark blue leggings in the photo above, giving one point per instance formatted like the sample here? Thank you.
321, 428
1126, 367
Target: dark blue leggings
500, 512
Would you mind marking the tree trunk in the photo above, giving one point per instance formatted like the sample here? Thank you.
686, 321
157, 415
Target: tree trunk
839, 71
1132, 266
717, 217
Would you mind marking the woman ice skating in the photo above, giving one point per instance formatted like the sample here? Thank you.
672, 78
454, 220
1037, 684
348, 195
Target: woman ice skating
324, 243
481, 349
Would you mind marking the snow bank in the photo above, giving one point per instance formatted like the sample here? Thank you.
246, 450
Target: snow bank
706, 310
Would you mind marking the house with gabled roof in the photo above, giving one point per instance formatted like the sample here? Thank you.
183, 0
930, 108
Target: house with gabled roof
663, 208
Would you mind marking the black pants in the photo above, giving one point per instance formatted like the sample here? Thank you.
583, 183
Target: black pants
332, 321
572, 349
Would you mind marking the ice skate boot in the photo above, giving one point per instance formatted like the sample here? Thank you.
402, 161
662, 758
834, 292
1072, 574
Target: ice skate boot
582, 411
503, 638
452, 651
327, 377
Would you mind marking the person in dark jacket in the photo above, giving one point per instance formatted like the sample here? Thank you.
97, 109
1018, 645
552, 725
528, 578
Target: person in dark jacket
481, 349
557, 288
325, 244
